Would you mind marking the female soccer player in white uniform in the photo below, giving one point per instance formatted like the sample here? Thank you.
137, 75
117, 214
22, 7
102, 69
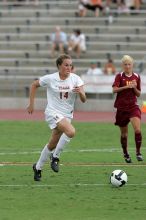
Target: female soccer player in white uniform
62, 89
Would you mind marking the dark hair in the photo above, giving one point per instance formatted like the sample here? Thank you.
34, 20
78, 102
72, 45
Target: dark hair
110, 60
61, 58
78, 31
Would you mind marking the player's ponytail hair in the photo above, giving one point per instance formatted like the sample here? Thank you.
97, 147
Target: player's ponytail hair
127, 58
61, 58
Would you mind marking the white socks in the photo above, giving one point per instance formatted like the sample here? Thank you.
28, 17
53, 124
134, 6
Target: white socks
61, 144
43, 157
46, 152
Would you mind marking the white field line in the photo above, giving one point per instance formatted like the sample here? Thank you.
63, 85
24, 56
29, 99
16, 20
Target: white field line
106, 150
76, 164
19, 153
69, 185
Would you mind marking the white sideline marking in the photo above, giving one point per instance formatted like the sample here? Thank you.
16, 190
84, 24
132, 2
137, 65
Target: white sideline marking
107, 150
76, 164
69, 185
19, 153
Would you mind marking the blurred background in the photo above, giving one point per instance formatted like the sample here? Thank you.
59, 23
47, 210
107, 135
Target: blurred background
109, 29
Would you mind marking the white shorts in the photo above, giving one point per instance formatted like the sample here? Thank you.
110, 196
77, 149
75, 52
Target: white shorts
53, 118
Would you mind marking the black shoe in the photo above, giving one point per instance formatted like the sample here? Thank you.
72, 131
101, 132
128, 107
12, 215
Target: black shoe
54, 163
127, 158
37, 173
139, 157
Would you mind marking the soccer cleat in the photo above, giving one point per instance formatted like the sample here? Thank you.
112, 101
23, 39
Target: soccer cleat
139, 157
127, 158
54, 163
37, 173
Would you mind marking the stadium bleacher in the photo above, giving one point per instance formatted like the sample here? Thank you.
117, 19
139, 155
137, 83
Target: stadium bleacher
25, 52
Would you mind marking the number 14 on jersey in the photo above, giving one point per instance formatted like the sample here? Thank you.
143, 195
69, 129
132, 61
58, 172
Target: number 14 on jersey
63, 95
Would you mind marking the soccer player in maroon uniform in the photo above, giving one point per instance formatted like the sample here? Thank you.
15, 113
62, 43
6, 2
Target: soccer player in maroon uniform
127, 85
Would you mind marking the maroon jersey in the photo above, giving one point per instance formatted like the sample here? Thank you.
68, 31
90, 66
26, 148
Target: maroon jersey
126, 99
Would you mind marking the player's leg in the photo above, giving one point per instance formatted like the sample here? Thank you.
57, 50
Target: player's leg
122, 120
124, 136
37, 167
68, 132
46, 152
136, 124
48, 148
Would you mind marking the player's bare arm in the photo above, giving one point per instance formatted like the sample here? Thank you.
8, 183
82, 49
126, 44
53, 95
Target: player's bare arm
81, 92
132, 85
33, 89
137, 92
120, 89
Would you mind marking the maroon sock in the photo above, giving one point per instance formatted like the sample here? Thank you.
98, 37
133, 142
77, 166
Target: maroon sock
138, 141
124, 145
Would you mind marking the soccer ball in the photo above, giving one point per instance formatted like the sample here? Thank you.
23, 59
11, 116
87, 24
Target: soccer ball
118, 178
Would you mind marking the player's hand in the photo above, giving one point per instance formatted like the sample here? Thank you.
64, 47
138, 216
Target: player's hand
30, 109
132, 84
77, 89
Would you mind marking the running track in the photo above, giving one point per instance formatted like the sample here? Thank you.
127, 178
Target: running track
78, 116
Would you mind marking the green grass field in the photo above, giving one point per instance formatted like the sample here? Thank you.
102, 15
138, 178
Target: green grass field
81, 190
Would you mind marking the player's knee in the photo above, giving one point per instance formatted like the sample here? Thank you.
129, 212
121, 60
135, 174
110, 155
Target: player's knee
137, 131
71, 133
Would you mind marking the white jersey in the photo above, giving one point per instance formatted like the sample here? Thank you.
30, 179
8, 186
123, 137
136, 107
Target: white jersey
60, 97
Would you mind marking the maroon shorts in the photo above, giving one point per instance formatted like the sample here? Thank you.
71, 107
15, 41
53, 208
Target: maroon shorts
123, 117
